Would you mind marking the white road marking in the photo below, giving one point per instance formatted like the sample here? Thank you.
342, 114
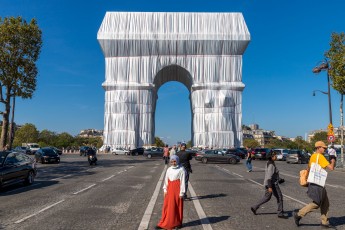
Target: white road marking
144, 224
108, 178
42, 210
202, 216
61, 177
84, 189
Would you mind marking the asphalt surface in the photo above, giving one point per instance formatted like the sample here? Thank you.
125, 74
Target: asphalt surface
125, 192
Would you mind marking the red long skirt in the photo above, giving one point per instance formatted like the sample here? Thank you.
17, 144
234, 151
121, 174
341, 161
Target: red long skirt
172, 213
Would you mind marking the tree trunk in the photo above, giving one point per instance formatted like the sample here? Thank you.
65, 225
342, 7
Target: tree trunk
5, 119
342, 130
4, 132
12, 125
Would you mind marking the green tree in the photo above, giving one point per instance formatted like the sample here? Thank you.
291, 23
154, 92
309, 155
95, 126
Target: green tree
189, 144
28, 133
47, 137
319, 136
251, 143
20, 46
64, 140
159, 142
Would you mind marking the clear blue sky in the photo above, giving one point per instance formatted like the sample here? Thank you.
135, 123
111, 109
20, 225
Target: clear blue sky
288, 38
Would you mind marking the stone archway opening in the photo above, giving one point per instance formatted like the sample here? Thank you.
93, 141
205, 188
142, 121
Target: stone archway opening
180, 108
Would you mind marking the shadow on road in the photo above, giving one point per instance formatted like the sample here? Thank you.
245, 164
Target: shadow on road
18, 188
211, 196
212, 220
337, 221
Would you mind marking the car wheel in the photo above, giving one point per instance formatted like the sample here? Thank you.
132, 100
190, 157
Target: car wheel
232, 161
42, 161
136, 154
299, 161
204, 160
30, 178
149, 155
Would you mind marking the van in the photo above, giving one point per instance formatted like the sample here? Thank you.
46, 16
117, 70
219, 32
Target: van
33, 147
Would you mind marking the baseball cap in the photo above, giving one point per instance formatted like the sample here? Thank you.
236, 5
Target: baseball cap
320, 144
184, 144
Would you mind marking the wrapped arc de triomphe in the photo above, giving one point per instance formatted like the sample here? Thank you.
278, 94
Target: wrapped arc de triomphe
144, 50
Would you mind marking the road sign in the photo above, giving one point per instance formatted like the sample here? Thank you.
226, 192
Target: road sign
331, 138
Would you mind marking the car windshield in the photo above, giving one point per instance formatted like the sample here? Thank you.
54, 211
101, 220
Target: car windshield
34, 146
49, 152
2, 157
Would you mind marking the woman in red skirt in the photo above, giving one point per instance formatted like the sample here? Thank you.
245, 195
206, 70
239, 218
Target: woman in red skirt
174, 189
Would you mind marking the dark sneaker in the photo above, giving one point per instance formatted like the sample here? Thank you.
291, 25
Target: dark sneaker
296, 217
283, 215
158, 227
328, 226
253, 210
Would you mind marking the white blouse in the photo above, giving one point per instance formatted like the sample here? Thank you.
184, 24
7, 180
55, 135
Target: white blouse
175, 174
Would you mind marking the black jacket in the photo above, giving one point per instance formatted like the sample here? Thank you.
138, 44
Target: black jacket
185, 157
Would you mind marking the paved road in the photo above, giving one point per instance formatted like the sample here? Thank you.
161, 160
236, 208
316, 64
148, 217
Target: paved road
124, 192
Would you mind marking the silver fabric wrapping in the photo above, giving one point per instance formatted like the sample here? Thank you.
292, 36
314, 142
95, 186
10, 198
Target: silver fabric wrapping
145, 50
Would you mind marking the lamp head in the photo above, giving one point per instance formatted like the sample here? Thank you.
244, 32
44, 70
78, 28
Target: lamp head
316, 69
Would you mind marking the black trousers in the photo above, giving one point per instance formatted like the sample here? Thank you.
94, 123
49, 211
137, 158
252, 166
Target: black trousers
278, 195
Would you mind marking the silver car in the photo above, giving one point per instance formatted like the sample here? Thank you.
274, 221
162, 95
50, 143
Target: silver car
119, 150
281, 154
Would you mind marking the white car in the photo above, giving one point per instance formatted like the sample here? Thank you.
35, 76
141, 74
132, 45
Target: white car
281, 154
119, 150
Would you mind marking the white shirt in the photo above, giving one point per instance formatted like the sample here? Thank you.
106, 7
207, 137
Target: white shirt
332, 152
175, 173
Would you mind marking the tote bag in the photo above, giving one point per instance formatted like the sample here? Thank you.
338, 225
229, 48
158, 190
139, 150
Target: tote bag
317, 175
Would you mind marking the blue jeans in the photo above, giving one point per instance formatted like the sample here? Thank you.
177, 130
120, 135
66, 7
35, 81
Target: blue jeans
249, 165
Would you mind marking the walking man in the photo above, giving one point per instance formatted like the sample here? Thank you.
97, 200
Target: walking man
271, 184
317, 193
249, 160
185, 157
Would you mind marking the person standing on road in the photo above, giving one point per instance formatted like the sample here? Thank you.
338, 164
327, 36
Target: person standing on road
173, 150
174, 189
271, 184
249, 160
185, 157
317, 193
166, 154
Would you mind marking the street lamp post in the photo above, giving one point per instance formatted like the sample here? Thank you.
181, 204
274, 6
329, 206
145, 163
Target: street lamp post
325, 66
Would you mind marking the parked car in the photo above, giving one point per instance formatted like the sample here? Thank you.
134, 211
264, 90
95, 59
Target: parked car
58, 151
136, 152
120, 150
297, 156
153, 152
21, 149
261, 153
219, 156
236, 152
16, 167
281, 154
47, 155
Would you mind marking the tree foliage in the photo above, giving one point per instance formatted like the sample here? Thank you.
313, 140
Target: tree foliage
28, 133
319, 136
336, 60
159, 142
251, 143
20, 46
